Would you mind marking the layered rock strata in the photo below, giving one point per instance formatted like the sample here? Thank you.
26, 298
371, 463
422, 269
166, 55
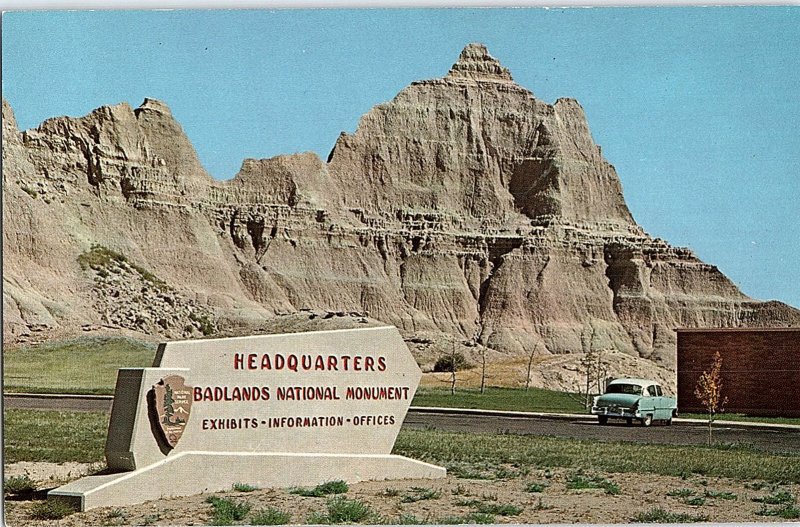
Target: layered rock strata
464, 206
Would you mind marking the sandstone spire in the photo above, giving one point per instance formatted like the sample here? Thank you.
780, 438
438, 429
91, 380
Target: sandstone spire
476, 63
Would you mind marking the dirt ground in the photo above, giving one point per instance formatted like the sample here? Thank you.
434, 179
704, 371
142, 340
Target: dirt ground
451, 497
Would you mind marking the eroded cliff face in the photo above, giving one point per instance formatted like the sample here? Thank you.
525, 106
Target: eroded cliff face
465, 206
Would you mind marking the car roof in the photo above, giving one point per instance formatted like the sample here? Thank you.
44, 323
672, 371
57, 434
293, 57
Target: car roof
628, 380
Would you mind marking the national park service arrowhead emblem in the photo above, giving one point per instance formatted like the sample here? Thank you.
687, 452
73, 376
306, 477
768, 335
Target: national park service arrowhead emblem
173, 403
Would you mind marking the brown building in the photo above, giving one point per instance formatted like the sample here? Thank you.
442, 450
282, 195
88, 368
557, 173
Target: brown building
760, 368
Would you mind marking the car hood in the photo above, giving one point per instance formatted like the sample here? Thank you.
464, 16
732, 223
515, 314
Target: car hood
618, 399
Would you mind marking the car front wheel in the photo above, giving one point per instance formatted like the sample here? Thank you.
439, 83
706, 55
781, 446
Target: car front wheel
648, 420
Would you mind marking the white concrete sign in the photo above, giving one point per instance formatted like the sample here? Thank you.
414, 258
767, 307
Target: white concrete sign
271, 410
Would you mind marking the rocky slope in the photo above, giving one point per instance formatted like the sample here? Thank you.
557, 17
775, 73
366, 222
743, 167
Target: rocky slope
465, 206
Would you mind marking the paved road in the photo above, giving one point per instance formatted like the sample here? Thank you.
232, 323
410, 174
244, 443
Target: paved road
83, 403
680, 433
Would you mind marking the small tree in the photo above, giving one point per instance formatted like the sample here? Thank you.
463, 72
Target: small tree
530, 366
454, 367
483, 370
452, 362
709, 391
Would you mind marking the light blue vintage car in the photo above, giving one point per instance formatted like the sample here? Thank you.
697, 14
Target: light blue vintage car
631, 399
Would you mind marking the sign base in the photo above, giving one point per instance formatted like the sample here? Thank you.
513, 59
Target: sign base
189, 473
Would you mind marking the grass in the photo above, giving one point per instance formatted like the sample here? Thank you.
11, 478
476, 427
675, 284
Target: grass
476, 518
580, 481
405, 519
695, 501
324, 489
499, 509
540, 452
342, 510
51, 435
100, 258
226, 511
420, 494
681, 493
744, 417
513, 399
659, 515
51, 509
720, 495
781, 497
19, 485
84, 365
243, 487
536, 487
48, 435
30, 191
787, 512
269, 516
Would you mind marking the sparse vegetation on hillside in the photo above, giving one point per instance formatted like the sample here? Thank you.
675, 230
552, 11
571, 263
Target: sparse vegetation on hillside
101, 259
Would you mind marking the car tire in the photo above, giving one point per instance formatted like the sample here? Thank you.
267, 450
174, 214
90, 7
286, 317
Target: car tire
602, 419
629, 421
648, 420
668, 422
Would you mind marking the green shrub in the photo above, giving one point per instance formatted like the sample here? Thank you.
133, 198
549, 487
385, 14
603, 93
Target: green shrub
324, 489
500, 509
19, 485
476, 518
205, 323
578, 481
777, 498
720, 495
243, 487
52, 509
100, 258
342, 510
406, 519
659, 515
270, 516
445, 363
696, 501
227, 511
681, 493
30, 191
420, 494
536, 487
787, 512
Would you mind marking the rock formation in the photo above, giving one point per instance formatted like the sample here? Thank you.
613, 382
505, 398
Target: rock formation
465, 206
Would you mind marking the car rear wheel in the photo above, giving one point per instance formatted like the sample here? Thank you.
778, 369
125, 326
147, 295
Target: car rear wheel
668, 422
602, 419
648, 420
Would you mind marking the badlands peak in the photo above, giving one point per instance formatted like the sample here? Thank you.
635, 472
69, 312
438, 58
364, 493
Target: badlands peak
476, 63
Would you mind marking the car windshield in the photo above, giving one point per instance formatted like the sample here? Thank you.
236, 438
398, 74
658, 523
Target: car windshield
633, 389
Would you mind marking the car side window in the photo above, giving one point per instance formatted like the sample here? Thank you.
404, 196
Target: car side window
658, 390
651, 390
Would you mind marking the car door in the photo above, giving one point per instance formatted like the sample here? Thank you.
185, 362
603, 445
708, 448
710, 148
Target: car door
651, 400
661, 404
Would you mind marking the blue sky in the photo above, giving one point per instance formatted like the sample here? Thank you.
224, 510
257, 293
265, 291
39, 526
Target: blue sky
697, 108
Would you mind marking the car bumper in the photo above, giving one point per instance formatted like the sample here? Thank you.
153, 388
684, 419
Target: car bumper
615, 412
